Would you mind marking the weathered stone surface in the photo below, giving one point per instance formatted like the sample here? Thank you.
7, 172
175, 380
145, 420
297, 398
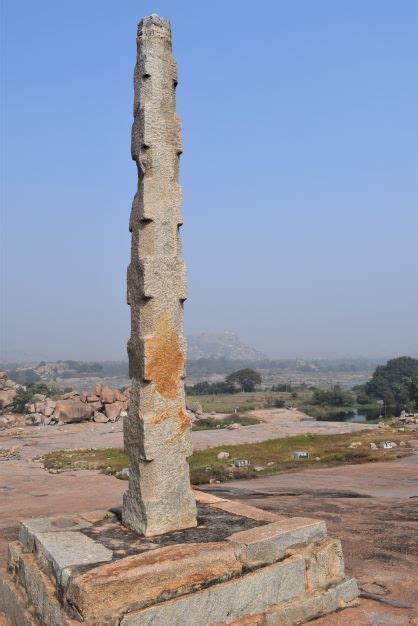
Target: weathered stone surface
72, 410
338, 597
324, 564
135, 581
59, 552
41, 593
29, 528
266, 544
13, 602
224, 603
157, 428
240, 508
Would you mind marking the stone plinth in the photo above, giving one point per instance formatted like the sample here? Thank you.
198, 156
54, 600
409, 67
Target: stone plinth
239, 563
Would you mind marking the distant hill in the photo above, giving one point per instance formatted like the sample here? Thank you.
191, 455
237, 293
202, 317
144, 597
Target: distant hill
220, 345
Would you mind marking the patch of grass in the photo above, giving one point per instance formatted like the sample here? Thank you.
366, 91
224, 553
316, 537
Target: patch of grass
275, 455
111, 460
243, 401
269, 457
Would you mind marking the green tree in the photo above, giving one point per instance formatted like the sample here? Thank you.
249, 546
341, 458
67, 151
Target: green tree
22, 397
246, 379
394, 382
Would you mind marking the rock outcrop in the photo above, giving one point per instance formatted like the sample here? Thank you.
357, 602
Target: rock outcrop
101, 405
8, 390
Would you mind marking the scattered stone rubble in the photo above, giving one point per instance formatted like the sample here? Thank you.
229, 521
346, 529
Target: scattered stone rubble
101, 405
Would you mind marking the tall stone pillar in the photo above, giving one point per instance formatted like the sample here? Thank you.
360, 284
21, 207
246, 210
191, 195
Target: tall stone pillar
157, 430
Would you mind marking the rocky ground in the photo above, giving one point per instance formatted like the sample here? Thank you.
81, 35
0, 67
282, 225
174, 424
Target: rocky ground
372, 507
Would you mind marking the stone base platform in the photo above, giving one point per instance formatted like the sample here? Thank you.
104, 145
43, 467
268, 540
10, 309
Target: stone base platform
241, 565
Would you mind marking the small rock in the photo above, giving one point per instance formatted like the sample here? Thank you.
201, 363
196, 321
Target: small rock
222, 455
373, 446
234, 426
33, 419
258, 468
113, 410
100, 418
402, 443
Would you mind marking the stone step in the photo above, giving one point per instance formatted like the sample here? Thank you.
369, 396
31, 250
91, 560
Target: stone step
266, 544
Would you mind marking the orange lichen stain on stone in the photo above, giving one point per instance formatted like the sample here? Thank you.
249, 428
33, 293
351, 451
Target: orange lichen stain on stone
164, 358
178, 413
161, 418
183, 420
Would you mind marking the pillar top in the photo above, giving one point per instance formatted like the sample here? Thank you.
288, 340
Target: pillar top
154, 25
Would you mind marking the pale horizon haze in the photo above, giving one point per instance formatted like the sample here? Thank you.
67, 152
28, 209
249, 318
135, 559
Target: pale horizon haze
299, 174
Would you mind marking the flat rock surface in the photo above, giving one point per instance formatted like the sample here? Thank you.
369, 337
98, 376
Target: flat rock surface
379, 533
277, 423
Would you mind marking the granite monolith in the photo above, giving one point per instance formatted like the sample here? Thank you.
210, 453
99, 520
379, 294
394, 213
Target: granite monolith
157, 429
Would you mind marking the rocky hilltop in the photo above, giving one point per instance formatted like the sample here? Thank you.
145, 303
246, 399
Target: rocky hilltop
220, 345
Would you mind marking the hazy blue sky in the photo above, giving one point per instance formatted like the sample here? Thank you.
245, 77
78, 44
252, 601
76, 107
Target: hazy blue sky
299, 173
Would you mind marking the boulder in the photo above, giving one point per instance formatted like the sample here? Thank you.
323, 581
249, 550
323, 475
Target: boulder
119, 397
9, 384
30, 408
6, 396
234, 426
123, 413
96, 406
70, 394
98, 389
46, 419
3, 375
83, 396
49, 407
40, 407
101, 418
373, 446
113, 410
72, 410
92, 397
222, 455
34, 419
107, 395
